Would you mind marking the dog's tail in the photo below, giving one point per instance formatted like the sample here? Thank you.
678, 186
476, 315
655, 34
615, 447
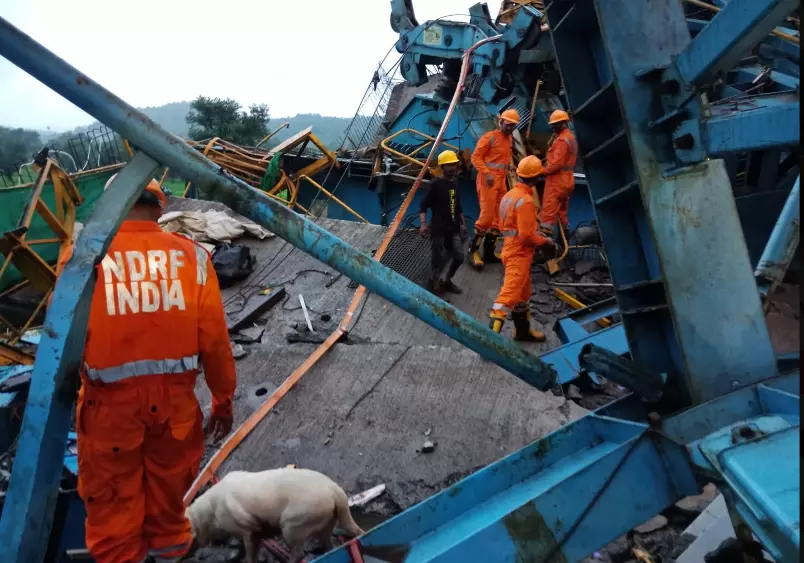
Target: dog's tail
344, 515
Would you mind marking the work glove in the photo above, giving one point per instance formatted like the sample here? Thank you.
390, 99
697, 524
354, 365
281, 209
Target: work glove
424, 230
464, 232
218, 426
490, 180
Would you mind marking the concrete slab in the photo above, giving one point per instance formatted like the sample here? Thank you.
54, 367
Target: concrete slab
362, 412
712, 527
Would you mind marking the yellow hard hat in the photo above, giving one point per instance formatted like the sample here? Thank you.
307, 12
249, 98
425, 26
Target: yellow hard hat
529, 167
511, 116
447, 157
558, 116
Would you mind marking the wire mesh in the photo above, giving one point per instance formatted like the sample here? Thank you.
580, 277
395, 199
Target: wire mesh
369, 123
94, 148
408, 254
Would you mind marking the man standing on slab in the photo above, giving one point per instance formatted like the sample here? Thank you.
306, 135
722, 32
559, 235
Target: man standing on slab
447, 228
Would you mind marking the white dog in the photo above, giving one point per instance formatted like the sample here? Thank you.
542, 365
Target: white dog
298, 503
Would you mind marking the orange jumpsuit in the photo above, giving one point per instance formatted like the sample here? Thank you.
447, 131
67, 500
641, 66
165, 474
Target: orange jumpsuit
492, 156
156, 316
560, 180
520, 231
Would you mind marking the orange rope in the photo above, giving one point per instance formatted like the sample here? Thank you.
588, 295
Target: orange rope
237, 437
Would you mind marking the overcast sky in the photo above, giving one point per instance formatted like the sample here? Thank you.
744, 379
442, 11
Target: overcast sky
307, 56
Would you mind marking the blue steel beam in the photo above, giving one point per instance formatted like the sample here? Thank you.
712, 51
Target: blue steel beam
731, 34
31, 500
783, 242
170, 150
753, 124
717, 339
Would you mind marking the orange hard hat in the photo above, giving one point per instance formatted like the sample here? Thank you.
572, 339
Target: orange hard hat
529, 167
153, 188
558, 116
511, 116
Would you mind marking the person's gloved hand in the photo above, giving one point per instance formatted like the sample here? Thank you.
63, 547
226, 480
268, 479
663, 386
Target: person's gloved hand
218, 426
464, 232
490, 180
424, 230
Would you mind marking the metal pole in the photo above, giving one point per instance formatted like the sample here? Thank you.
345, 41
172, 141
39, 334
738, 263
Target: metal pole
783, 242
172, 151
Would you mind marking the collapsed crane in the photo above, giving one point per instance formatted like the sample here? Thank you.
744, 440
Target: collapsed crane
709, 401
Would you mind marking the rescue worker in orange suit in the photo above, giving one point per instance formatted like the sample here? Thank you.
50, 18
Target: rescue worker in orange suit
559, 174
521, 237
492, 159
156, 316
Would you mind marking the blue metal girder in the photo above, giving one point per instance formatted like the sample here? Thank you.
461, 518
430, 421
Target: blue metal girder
752, 124
731, 34
31, 500
783, 242
682, 278
750, 440
565, 358
557, 499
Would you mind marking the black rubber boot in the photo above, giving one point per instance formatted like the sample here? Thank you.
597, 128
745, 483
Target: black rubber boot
490, 254
522, 330
450, 287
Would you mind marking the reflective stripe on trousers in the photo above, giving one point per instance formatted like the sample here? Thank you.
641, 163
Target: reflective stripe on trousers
501, 307
509, 233
143, 367
496, 165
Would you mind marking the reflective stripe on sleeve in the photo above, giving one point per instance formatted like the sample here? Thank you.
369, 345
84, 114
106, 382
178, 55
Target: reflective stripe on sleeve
200, 265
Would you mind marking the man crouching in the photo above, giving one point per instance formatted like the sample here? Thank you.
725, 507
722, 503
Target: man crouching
298, 503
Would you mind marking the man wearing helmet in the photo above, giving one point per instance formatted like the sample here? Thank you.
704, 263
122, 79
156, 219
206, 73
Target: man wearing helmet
491, 158
559, 174
521, 237
447, 228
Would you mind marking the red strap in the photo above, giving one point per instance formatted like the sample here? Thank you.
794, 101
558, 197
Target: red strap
355, 551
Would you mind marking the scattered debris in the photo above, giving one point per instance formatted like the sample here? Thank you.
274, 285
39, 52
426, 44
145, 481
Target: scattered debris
642, 555
573, 393
327, 441
697, 504
428, 431
238, 351
255, 307
656, 523
361, 499
306, 314
428, 447
250, 335
583, 267
210, 226
564, 284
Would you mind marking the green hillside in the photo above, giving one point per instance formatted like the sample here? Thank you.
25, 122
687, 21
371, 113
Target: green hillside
327, 128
